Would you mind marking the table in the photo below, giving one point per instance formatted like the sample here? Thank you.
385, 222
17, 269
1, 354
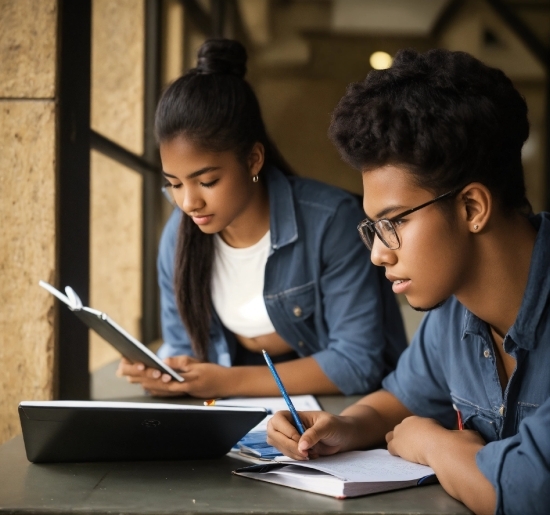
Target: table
182, 487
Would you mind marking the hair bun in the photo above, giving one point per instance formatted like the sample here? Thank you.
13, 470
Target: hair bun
225, 56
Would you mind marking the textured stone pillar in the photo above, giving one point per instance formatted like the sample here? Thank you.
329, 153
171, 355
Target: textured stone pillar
28, 39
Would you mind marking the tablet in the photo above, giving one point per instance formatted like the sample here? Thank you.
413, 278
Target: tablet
73, 431
110, 331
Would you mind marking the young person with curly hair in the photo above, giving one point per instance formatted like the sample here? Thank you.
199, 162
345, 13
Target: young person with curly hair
257, 258
438, 139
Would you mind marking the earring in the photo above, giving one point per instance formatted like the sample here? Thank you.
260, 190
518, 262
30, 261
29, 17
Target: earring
476, 227
255, 178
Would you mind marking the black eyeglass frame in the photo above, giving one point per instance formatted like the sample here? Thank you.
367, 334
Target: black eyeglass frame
371, 226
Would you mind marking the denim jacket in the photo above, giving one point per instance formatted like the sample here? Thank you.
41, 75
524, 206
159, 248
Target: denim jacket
322, 294
451, 361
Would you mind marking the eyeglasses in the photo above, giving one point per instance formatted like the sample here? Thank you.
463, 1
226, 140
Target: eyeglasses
385, 228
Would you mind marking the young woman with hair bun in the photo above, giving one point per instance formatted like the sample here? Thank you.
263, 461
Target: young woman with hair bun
256, 257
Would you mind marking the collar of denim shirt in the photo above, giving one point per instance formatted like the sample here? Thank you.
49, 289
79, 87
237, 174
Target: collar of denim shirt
536, 296
282, 224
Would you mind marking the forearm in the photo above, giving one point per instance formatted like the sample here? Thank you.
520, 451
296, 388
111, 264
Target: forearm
300, 376
372, 417
454, 462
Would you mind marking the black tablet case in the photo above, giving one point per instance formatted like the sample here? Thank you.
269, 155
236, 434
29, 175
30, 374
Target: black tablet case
129, 347
110, 331
62, 433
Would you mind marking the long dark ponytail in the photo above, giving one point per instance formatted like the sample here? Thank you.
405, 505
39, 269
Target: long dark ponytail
213, 107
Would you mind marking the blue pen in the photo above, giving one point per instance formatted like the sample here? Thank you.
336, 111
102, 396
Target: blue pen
291, 407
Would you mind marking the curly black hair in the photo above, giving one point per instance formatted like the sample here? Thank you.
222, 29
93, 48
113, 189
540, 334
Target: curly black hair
444, 116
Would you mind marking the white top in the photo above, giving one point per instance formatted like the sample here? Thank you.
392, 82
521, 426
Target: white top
238, 286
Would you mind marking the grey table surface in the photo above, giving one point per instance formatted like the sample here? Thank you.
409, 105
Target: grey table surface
182, 487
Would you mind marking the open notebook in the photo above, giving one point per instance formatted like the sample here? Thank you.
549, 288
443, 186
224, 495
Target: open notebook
348, 474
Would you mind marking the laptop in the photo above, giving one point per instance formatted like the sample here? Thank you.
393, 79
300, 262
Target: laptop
76, 431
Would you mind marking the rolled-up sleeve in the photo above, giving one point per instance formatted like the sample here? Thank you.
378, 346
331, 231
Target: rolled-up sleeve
519, 467
353, 306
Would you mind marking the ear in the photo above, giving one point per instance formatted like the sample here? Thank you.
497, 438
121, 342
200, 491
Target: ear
255, 159
476, 205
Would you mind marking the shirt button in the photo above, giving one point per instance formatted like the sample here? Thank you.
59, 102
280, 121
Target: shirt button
487, 353
297, 311
501, 411
300, 344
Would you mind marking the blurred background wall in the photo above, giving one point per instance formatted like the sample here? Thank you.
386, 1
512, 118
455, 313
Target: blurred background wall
117, 90
302, 55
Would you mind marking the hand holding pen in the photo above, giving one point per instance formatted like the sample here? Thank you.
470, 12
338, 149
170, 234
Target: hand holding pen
282, 389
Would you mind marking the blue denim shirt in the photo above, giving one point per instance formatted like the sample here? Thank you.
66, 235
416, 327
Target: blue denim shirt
322, 294
451, 360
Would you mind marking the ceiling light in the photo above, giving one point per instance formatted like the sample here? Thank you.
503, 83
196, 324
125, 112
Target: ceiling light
380, 60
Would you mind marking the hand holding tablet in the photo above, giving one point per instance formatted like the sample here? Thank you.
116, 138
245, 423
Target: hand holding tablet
109, 330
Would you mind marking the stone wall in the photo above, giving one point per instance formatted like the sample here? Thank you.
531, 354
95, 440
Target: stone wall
28, 41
